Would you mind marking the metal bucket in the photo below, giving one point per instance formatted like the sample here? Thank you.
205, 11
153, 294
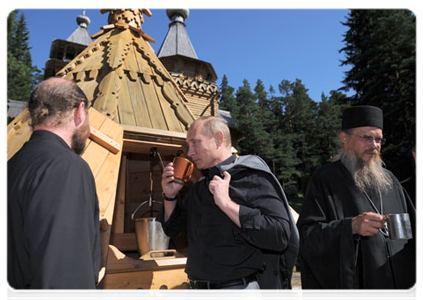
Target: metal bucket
150, 235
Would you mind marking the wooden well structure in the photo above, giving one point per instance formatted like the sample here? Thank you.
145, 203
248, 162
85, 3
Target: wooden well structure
136, 108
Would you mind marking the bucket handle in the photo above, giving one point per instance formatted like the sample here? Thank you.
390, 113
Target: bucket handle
145, 202
148, 256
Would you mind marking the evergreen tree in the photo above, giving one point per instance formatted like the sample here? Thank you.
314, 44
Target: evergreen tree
247, 115
22, 76
227, 99
285, 160
266, 122
380, 46
300, 122
328, 125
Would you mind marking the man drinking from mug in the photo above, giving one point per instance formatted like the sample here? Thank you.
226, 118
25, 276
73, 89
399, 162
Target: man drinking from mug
344, 240
241, 234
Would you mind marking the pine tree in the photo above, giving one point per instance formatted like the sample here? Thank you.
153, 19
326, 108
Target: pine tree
300, 122
247, 115
380, 45
328, 125
227, 99
22, 76
266, 123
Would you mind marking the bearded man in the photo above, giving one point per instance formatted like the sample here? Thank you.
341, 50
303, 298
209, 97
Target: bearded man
53, 212
344, 243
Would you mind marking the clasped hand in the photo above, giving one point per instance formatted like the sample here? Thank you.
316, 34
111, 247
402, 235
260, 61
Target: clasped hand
368, 224
219, 187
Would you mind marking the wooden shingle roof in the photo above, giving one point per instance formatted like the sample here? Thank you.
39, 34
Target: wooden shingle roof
177, 41
123, 78
81, 34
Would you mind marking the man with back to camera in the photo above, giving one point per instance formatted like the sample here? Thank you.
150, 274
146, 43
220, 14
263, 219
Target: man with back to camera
344, 242
241, 234
53, 212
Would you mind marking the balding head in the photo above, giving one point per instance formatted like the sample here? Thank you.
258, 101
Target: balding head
53, 100
211, 125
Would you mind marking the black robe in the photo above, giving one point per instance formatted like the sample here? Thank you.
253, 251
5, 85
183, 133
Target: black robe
331, 256
53, 217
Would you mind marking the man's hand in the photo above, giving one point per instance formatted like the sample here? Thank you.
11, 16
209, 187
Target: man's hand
367, 224
169, 186
170, 189
220, 190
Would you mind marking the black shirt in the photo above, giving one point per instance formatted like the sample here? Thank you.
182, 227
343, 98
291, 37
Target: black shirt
217, 249
53, 217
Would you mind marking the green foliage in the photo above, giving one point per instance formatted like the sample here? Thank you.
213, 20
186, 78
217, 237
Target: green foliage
22, 76
329, 115
289, 131
380, 46
248, 116
227, 100
295, 135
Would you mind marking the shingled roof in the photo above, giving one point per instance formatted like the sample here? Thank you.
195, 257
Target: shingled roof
177, 41
123, 78
81, 34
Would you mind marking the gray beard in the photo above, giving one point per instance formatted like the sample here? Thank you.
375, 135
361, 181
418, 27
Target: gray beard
367, 176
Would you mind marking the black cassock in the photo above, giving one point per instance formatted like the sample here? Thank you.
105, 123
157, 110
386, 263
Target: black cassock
331, 256
53, 217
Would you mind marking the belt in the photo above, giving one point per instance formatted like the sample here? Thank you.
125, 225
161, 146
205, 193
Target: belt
194, 284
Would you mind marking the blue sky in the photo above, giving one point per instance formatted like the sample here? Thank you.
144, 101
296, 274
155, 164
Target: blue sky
267, 44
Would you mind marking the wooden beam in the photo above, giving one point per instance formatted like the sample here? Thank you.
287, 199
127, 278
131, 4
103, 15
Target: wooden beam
119, 214
124, 241
154, 132
104, 140
135, 146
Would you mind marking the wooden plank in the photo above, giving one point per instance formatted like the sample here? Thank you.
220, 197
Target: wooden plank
125, 106
153, 108
89, 87
119, 214
18, 133
155, 132
135, 146
119, 262
173, 123
104, 140
124, 272
96, 118
16, 139
150, 97
135, 83
107, 179
22, 118
124, 241
106, 174
95, 155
